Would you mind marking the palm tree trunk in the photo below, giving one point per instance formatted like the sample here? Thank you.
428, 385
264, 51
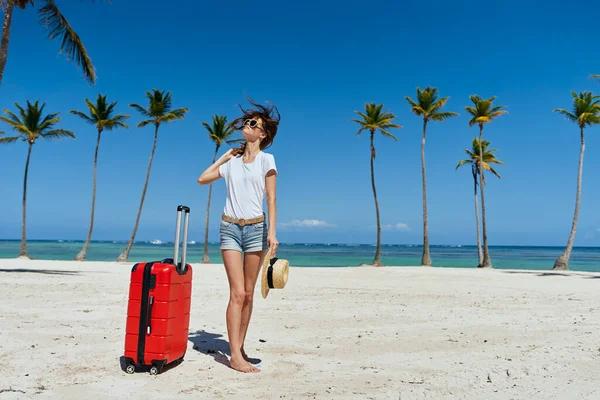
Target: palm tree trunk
83, 252
205, 259
487, 262
479, 251
5, 35
562, 263
23, 252
426, 259
125, 254
377, 259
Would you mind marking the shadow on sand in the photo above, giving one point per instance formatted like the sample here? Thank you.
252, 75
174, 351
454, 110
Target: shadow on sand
40, 271
211, 344
585, 276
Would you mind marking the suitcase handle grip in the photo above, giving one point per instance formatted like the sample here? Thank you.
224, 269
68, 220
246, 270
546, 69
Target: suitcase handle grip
181, 267
149, 319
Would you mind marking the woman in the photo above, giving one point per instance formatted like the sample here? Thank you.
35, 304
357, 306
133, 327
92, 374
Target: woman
249, 173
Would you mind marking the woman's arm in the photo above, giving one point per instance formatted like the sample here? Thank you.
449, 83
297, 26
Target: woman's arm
211, 173
270, 184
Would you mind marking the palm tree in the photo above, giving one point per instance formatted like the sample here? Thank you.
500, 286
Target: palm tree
219, 132
483, 112
586, 112
373, 119
488, 158
100, 115
58, 27
427, 106
30, 126
159, 112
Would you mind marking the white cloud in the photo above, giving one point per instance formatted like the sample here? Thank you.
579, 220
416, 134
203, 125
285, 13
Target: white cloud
400, 226
306, 223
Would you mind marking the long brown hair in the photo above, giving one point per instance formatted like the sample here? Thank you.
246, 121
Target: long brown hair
270, 121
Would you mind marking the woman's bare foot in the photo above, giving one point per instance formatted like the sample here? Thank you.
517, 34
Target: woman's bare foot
250, 360
239, 364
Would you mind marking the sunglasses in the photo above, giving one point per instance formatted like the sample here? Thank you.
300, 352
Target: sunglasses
252, 123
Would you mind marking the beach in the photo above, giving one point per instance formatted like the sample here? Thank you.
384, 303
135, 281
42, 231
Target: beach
332, 333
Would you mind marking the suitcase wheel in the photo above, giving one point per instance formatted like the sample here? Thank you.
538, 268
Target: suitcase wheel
154, 370
130, 369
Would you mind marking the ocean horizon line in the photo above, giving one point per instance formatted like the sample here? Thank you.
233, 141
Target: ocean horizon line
193, 242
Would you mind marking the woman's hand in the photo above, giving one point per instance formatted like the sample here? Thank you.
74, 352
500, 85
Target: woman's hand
226, 157
272, 243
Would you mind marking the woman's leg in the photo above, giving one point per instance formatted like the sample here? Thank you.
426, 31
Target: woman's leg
235, 275
252, 266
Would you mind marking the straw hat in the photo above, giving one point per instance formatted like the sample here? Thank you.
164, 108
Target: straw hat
274, 274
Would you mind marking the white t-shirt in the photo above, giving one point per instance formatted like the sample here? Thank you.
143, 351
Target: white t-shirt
246, 185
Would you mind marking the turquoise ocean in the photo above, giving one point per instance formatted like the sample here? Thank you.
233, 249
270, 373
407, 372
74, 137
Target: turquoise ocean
320, 255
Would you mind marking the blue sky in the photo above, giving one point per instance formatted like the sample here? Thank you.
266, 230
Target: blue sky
318, 62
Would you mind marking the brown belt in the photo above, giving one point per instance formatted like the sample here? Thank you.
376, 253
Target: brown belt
242, 221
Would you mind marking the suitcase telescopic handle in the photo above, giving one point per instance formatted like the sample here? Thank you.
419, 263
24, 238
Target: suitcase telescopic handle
186, 210
149, 317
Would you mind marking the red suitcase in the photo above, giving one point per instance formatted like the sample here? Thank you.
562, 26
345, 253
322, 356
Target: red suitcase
158, 312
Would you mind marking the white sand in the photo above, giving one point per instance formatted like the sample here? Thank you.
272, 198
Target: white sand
347, 333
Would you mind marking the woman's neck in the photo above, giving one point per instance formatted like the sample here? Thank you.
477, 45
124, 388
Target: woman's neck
252, 149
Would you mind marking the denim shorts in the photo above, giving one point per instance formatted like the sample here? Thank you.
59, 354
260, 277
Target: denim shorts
243, 238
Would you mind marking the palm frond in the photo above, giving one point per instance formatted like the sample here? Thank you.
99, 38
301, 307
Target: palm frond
586, 109
386, 133
210, 130
358, 121
482, 112
463, 162
16, 125
159, 109
496, 114
388, 125
363, 128
495, 172
48, 121
437, 105
441, 116
7, 140
145, 122
118, 124
174, 115
220, 131
140, 109
364, 117
57, 134
475, 160
415, 107
115, 122
22, 110
567, 114
71, 44
92, 107
374, 119
82, 116
13, 117
472, 111
471, 154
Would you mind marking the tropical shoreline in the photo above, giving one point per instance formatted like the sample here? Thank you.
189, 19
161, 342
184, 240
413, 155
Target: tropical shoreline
330, 333
323, 255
